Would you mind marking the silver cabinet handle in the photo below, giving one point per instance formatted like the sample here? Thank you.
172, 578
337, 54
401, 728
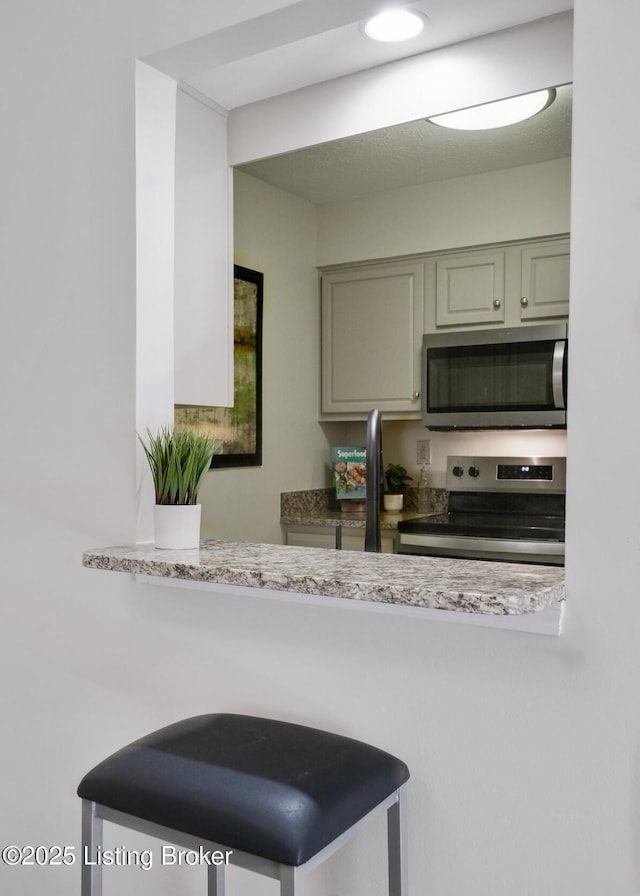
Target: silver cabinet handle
416, 396
497, 303
524, 301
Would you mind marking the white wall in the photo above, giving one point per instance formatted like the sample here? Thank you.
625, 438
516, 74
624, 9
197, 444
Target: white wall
603, 568
275, 233
524, 750
86, 662
512, 204
155, 157
203, 325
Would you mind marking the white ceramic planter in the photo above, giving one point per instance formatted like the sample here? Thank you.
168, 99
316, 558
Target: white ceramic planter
393, 503
176, 526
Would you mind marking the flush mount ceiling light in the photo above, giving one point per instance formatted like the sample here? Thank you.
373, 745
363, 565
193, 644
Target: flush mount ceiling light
394, 25
498, 114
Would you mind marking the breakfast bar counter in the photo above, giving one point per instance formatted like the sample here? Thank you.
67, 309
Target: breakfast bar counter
460, 588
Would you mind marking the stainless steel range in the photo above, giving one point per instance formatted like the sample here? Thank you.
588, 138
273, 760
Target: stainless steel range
500, 508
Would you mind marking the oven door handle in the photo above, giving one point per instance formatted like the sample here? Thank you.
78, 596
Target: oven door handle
470, 544
557, 374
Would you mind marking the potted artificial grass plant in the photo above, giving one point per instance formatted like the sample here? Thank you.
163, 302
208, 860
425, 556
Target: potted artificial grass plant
178, 460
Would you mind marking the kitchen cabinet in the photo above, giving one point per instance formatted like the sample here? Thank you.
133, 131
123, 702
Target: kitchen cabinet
372, 326
544, 282
470, 288
325, 537
510, 285
374, 315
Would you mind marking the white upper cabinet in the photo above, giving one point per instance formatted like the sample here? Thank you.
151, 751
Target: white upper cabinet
372, 326
470, 289
510, 285
544, 291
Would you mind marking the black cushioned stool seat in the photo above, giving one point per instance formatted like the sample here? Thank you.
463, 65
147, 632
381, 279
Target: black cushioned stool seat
279, 795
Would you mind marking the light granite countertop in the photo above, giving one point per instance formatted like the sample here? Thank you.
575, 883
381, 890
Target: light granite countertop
347, 520
319, 507
469, 586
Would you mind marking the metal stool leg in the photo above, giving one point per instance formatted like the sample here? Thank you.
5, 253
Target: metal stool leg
397, 847
215, 880
288, 881
91, 840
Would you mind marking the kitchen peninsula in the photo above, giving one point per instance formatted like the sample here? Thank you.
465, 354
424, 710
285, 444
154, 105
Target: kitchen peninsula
508, 595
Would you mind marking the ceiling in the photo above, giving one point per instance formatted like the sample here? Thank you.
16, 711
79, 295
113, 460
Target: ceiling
414, 153
312, 41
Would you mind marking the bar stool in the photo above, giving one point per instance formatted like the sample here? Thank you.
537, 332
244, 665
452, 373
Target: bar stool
269, 796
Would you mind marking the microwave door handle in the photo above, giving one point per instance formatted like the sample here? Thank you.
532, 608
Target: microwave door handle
557, 373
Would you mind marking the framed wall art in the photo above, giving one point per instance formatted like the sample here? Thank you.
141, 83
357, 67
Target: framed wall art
237, 430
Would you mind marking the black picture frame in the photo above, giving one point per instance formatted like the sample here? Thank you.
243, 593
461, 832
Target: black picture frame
237, 430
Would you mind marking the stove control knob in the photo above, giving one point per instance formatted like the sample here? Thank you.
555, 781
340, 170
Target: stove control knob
458, 471
474, 472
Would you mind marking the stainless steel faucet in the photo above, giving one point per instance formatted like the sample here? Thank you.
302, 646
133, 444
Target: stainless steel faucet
374, 482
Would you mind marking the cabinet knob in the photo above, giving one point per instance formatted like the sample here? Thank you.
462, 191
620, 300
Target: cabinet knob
416, 396
524, 301
497, 303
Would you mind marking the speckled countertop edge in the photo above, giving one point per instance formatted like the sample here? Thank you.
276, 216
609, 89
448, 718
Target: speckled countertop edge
470, 586
347, 520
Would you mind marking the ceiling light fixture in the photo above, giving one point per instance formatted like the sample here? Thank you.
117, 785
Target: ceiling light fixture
394, 25
498, 114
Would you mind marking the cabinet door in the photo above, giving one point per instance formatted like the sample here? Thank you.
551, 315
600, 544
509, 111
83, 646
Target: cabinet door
372, 325
325, 537
545, 281
470, 289
311, 536
353, 540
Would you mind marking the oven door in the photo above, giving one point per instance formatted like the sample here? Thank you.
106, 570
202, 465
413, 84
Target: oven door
495, 379
513, 550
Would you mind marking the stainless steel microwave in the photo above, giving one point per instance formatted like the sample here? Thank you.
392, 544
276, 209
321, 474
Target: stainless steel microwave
495, 379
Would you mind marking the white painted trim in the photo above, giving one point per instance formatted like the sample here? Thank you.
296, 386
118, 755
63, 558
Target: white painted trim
155, 130
201, 98
203, 315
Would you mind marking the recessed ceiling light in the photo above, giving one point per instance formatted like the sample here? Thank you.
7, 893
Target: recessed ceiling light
498, 114
394, 25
